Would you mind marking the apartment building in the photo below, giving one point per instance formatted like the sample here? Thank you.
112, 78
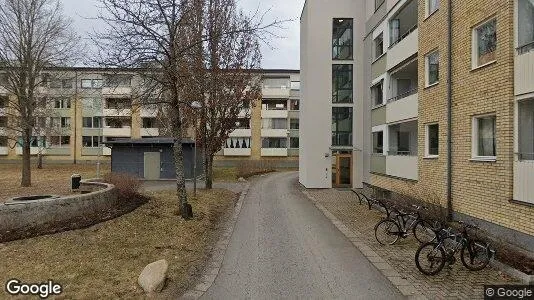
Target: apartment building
453, 125
270, 134
86, 107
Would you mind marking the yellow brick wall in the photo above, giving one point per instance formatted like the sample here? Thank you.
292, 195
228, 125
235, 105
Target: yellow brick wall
480, 189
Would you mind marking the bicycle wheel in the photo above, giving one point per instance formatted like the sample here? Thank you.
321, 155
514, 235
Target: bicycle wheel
430, 258
475, 255
423, 232
387, 232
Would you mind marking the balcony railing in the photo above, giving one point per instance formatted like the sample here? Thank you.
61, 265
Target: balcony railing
402, 37
403, 95
525, 48
402, 153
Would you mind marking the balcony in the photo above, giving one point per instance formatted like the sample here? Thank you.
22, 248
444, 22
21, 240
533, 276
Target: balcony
4, 150
274, 114
33, 150
404, 34
274, 152
524, 70
404, 108
241, 133
237, 152
523, 178
274, 133
147, 112
149, 132
117, 132
275, 92
117, 112
113, 91
402, 166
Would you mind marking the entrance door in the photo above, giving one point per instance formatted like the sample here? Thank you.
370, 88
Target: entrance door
152, 166
343, 171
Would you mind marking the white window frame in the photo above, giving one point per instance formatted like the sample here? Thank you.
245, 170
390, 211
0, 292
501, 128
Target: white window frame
474, 44
427, 68
474, 138
427, 141
429, 12
375, 57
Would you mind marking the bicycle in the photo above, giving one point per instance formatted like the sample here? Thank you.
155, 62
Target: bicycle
475, 254
389, 230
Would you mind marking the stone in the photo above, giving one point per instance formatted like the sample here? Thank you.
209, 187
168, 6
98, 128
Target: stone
241, 179
152, 279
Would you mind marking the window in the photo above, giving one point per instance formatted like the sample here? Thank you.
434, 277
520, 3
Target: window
92, 122
238, 142
276, 83
294, 104
484, 137
65, 122
59, 141
149, 123
432, 140
432, 68
485, 43
91, 83
378, 3
118, 103
378, 142
526, 130
61, 103
295, 85
118, 81
525, 25
242, 124
294, 142
342, 39
118, 122
3, 141
403, 139
294, 124
274, 123
377, 94
91, 141
379, 45
341, 126
342, 90
431, 6
274, 105
276, 143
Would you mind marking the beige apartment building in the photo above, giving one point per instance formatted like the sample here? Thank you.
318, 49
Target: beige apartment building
458, 125
86, 107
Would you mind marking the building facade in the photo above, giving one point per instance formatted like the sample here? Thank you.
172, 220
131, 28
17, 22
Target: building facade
448, 90
87, 107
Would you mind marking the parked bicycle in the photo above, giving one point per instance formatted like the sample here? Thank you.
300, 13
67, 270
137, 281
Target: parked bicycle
475, 254
400, 224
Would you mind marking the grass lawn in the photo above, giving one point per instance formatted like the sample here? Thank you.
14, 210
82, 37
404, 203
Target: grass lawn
224, 174
53, 179
104, 261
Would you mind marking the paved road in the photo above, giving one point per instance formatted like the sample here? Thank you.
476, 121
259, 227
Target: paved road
283, 247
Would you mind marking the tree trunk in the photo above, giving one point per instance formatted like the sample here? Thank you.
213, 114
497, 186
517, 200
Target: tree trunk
26, 156
209, 171
179, 164
39, 161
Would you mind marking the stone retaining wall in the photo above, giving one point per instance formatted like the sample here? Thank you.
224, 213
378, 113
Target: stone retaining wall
34, 218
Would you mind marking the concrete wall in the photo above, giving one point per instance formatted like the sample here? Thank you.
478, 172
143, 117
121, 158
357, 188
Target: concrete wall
35, 218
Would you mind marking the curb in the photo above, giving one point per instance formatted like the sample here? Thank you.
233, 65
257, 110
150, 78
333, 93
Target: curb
213, 266
404, 286
511, 271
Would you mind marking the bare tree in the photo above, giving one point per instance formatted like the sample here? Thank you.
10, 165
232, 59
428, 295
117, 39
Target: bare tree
230, 83
160, 38
34, 35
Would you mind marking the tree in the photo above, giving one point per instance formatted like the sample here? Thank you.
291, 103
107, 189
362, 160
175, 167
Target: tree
164, 40
34, 35
229, 83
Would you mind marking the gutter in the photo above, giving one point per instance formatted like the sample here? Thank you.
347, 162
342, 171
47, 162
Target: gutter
449, 114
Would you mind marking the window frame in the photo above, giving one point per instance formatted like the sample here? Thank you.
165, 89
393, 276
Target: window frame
427, 68
474, 44
383, 139
380, 84
375, 55
378, 4
427, 140
335, 121
428, 11
475, 138
335, 83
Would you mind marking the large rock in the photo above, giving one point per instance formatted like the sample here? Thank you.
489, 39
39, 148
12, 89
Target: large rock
152, 279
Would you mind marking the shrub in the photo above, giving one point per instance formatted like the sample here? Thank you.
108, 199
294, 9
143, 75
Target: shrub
248, 169
127, 186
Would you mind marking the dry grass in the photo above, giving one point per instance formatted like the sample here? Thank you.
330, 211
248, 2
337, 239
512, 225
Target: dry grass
53, 179
224, 174
104, 261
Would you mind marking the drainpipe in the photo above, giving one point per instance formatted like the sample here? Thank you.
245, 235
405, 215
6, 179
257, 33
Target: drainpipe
449, 114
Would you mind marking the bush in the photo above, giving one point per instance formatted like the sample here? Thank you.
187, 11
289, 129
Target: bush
127, 186
248, 169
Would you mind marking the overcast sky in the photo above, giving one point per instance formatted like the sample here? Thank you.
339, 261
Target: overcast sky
285, 54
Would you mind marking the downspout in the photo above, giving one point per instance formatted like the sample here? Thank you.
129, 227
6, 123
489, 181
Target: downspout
449, 114
75, 114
